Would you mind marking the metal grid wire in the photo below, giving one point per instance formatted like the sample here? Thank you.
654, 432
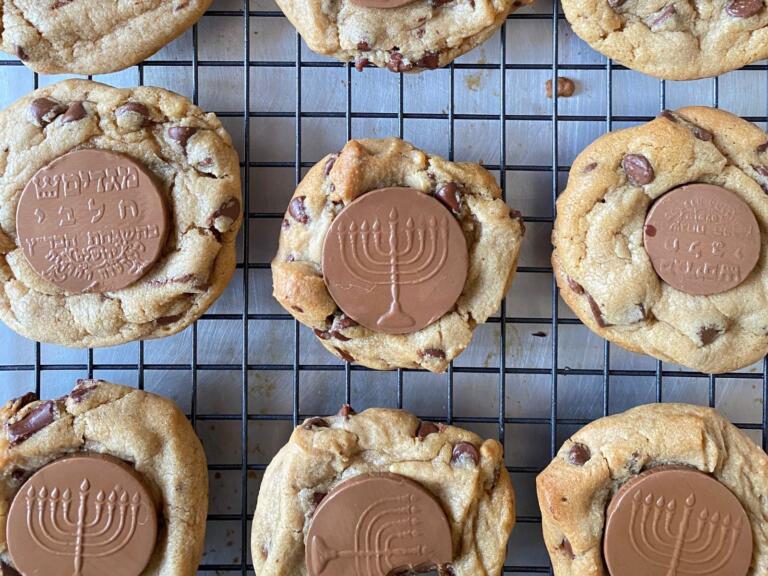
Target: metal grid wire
526, 554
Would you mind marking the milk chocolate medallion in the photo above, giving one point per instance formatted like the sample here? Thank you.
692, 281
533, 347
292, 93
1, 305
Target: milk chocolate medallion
663, 489
660, 243
404, 496
91, 221
393, 257
395, 260
672, 520
92, 36
119, 221
106, 480
383, 522
87, 515
400, 35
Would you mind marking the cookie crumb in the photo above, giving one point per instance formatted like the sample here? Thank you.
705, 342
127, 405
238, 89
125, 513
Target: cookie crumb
565, 87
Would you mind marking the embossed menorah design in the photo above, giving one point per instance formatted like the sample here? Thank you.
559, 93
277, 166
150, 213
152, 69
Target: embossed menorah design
395, 257
679, 542
380, 525
81, 527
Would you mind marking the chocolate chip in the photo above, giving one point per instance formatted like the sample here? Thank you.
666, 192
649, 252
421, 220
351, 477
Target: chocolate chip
21, 54
702, 134
315, 423
343, 322
596, 312
22, 401
578, 455
167, 320
75, 112
709, 334
425, 429
34, 421
430, 61
361, 63
346, 411
664, 15
744, 8
762, 148
330, 334
79, 393
318, 497
434, 353
450, 195
229, 209
344, 354
463, 452
45, 111
363, 45
298, 209
760, 169
575, 286
565, 87
650, 230
181, 134
566, 548
616, 3
639, 171
589, 167
6, 570
329, 164
397, 64
137, 109
669, 115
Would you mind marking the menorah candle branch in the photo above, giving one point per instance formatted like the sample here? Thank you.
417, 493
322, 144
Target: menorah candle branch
404, 255
679, 546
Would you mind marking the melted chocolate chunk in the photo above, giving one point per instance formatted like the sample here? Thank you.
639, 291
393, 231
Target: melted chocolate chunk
450, 195
463, 452
315, 423
425, 429
578, 455
34, 421
638, 169
297, 208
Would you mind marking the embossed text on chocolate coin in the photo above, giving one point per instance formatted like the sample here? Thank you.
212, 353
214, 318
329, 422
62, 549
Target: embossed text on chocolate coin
91, 221
395, 260
672, 521
374, 524
84, 515
702, 239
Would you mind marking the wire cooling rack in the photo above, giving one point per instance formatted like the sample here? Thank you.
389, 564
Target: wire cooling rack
247, 373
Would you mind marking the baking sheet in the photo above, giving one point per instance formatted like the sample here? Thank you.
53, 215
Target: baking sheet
527, 378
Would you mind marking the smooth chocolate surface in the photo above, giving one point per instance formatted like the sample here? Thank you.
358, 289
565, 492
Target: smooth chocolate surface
395, 260
374, 525
87, 515
92, 221
702, 239
674, 521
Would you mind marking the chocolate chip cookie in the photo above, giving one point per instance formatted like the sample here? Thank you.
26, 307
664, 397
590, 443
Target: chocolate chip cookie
92, 37
660, 242
403, 36
105, 477
393, 256
673, 40
661, 489
118, 213
384, 485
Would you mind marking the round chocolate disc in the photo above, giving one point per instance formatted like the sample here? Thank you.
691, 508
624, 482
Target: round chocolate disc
87, 515
702, 239
91, 221
395, 260
373, 524
676, 521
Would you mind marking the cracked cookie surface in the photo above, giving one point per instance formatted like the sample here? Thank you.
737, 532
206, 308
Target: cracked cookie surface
575, 489
191, 158
675, 40
420, 35
493, 234
603, 269
464, 472
92, 36
146, 431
